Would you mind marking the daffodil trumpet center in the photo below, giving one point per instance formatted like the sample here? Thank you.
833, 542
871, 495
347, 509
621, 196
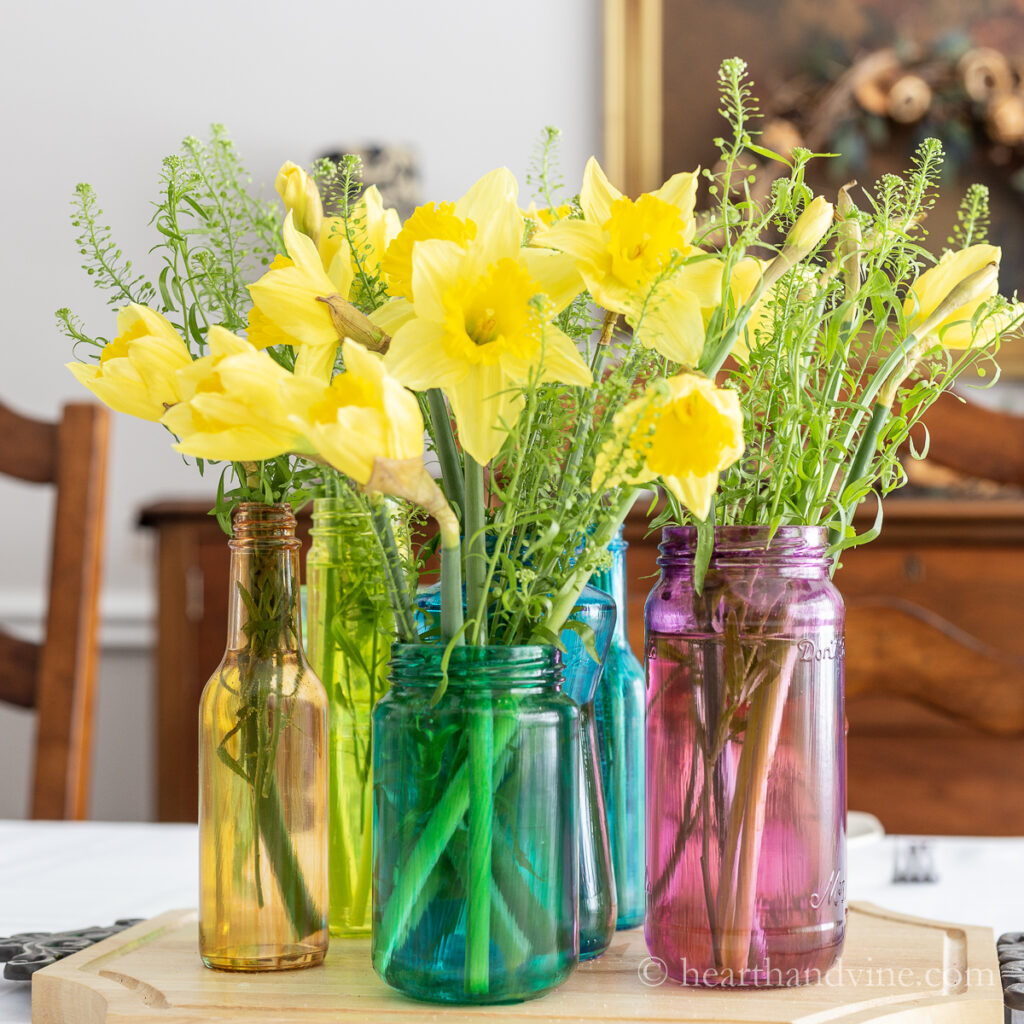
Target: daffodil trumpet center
642, 237
494, 314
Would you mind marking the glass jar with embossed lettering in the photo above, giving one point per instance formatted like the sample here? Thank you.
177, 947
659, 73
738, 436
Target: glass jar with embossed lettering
745, 755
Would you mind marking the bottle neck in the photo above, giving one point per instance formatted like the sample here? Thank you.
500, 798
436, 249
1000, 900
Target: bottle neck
263, 600
613, 581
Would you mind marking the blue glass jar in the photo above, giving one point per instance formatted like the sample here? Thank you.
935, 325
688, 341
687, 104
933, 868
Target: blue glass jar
620, 706
597, 914
476, 799
598, 903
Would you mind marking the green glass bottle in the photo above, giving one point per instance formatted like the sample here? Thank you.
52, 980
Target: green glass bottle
351, 628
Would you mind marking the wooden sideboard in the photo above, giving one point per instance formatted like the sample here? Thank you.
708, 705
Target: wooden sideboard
935, 658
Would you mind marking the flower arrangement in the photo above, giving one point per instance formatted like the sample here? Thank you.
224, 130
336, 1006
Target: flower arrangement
758, 363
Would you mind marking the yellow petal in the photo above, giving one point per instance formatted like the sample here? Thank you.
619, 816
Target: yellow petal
335, 256
671, 323
122, 393
597, 194
287, 299
316, 361
435, 265
695, 492
417, 357
393, 315
495, 189
561, 360
681, 190
556, 273
486, 406
301, 198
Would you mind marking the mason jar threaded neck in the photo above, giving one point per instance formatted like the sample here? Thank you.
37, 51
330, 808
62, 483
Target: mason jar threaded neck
333, 512
796, 547
495, 667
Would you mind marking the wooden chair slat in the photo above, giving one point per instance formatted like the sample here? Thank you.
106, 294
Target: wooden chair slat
73, 455
19, 663
29, 448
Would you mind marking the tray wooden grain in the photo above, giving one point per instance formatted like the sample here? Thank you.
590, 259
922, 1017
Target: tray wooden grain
896, 968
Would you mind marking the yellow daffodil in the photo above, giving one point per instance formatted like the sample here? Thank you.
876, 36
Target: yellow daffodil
231, 407
481, 327
683, 432
301, 198
363, 415
932, 288
293, 295
457, 222
451, 222
137, 371
627, 252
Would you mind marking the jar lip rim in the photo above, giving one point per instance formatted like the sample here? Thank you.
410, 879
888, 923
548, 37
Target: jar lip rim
540, 659
524, 650
801, 543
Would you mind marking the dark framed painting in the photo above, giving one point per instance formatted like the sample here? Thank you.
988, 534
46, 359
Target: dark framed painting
867, 79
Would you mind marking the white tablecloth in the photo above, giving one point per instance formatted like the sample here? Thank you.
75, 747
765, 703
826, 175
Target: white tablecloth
56, 875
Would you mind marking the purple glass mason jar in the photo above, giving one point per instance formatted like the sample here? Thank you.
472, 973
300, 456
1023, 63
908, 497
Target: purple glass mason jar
746, 760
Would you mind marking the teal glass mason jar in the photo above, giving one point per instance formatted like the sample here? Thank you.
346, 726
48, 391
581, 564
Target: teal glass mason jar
476, 815
596, 610
351, 629
620, 705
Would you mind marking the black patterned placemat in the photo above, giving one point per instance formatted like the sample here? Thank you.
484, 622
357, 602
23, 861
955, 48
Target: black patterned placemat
27, 952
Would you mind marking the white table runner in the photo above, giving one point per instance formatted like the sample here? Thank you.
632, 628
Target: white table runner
57, 875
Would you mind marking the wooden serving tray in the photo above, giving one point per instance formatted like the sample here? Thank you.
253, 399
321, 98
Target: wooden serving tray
892, 968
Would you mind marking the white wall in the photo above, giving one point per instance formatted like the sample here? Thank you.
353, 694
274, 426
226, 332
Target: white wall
100, 93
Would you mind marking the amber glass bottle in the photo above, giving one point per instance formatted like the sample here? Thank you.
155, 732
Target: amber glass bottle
263, 767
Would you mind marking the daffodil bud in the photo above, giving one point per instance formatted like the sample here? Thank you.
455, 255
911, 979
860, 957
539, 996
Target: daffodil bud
349, 322
850, 241
301, 197
806, 233
810, 226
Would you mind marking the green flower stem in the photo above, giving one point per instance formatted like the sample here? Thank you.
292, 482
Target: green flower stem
587, 403
400, 911
302, 911
361, 893
452, 618
514, 945
405, 618
862, 459
481, 830
568, 597
532, 918
268, 604
476, 552
447, 453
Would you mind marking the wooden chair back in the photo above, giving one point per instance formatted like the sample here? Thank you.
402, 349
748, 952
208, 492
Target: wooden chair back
58, 676
976, 441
